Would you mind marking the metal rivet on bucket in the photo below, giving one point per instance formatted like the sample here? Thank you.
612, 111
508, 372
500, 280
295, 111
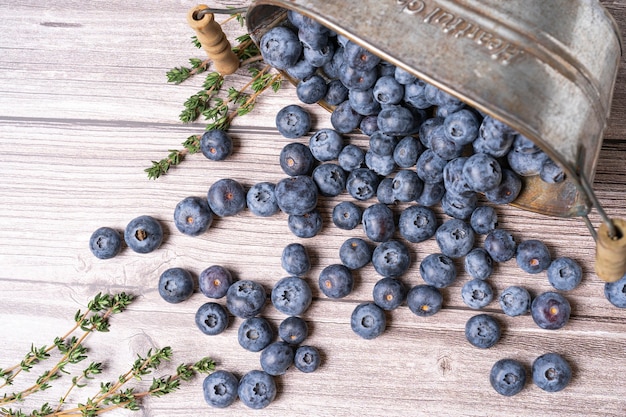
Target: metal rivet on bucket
547, 69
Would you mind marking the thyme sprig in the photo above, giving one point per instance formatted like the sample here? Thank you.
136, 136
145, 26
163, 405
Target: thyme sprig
112, 394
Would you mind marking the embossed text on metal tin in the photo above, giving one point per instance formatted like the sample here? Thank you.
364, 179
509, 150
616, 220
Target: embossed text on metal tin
453, 25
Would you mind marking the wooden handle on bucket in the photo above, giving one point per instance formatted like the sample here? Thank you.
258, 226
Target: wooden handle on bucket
213, 40
611, 252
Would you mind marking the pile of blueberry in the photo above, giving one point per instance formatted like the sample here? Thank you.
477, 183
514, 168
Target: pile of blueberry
426, 148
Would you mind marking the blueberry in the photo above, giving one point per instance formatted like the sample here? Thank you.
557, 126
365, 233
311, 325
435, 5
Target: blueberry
484, 219
478, 264
564, 274
360, 58
440, 98
330, 179
378, 222
384, 192
307, 359
346, 215
533, 256
344, 118
261, 200
293, 330
355, 253
388, 90
362, 183
407, 151
336, 281
507, 377
391, 258
455, 238
336, 93
482, 172
494, 138
293, 121
291, 295
276, 358
426, 129
301, 69
550, 310
500, 245
295, 259
442, 145
430, 167
551, 372
351, 157
226, 197
615, 292
355, 78
383, 144
255, 334
332, 68
482, 331
417, 223
453, 177
414, 94
551, 172
508, 190
216, 145
214, 281
432, 194
526, 164
176, 285
369, 125
296, 195
257, 389
477, 293
296, 159
193, 216
515, 301
407, 186
523, 144
305, 225
438, 270
459, 206
105, 243
424, 300
313, 39
389, 293
403, 76
220, 389
397, 120
211, 318
311, 89
280, 47
245, 298
382, 165
461, 126
363, 102
325, 144
143, 234
368, 320
320, 56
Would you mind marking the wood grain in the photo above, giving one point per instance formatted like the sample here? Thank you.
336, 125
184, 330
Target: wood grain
85, 107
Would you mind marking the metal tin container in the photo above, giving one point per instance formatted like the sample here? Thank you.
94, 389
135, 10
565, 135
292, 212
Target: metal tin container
546, 68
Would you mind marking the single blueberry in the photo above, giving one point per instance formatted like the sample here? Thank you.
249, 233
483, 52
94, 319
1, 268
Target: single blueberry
403, 76
280, 47
391, 258
336, 281
414, 94
407, 151
508, 190
551, 372
533, 256
384, 192
461, 126
293, 330
295, 259
214, 281
484, 219
550, 310
105, 243
360, 58
417, 223
368, 321
216, 145
305, 225
307, 358
369, 125
442, 145
382, 144
507, 377
336, 92
296, 159
378, 222
482, 331
551, 172
220, 389
482, 172
354, 78
211, 318
459, 206
455, 238
312, 89
397, 120
326, 144
226, 197
500, 245
362, 183
346, 215
494, 138
291, 295
524, 145
564, 273
261, 200
363, 102
313, 39
276, 358
438, 270
255, 334
515, 301
143, 234
355, 253
615, 292
478, 264
432, 194
330, 179
320, 56
388, 90
351, 157
407, 186
426, 129
296, 195
344, 118
293, 121
453, 177
526, 164
430, 167
424, 300
332, 68
193, 216
245, 298
477, 293
382, 165
257, 389
389, 293
176, 285
301, 69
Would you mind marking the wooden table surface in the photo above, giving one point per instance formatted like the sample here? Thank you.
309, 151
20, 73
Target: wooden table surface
85, 107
